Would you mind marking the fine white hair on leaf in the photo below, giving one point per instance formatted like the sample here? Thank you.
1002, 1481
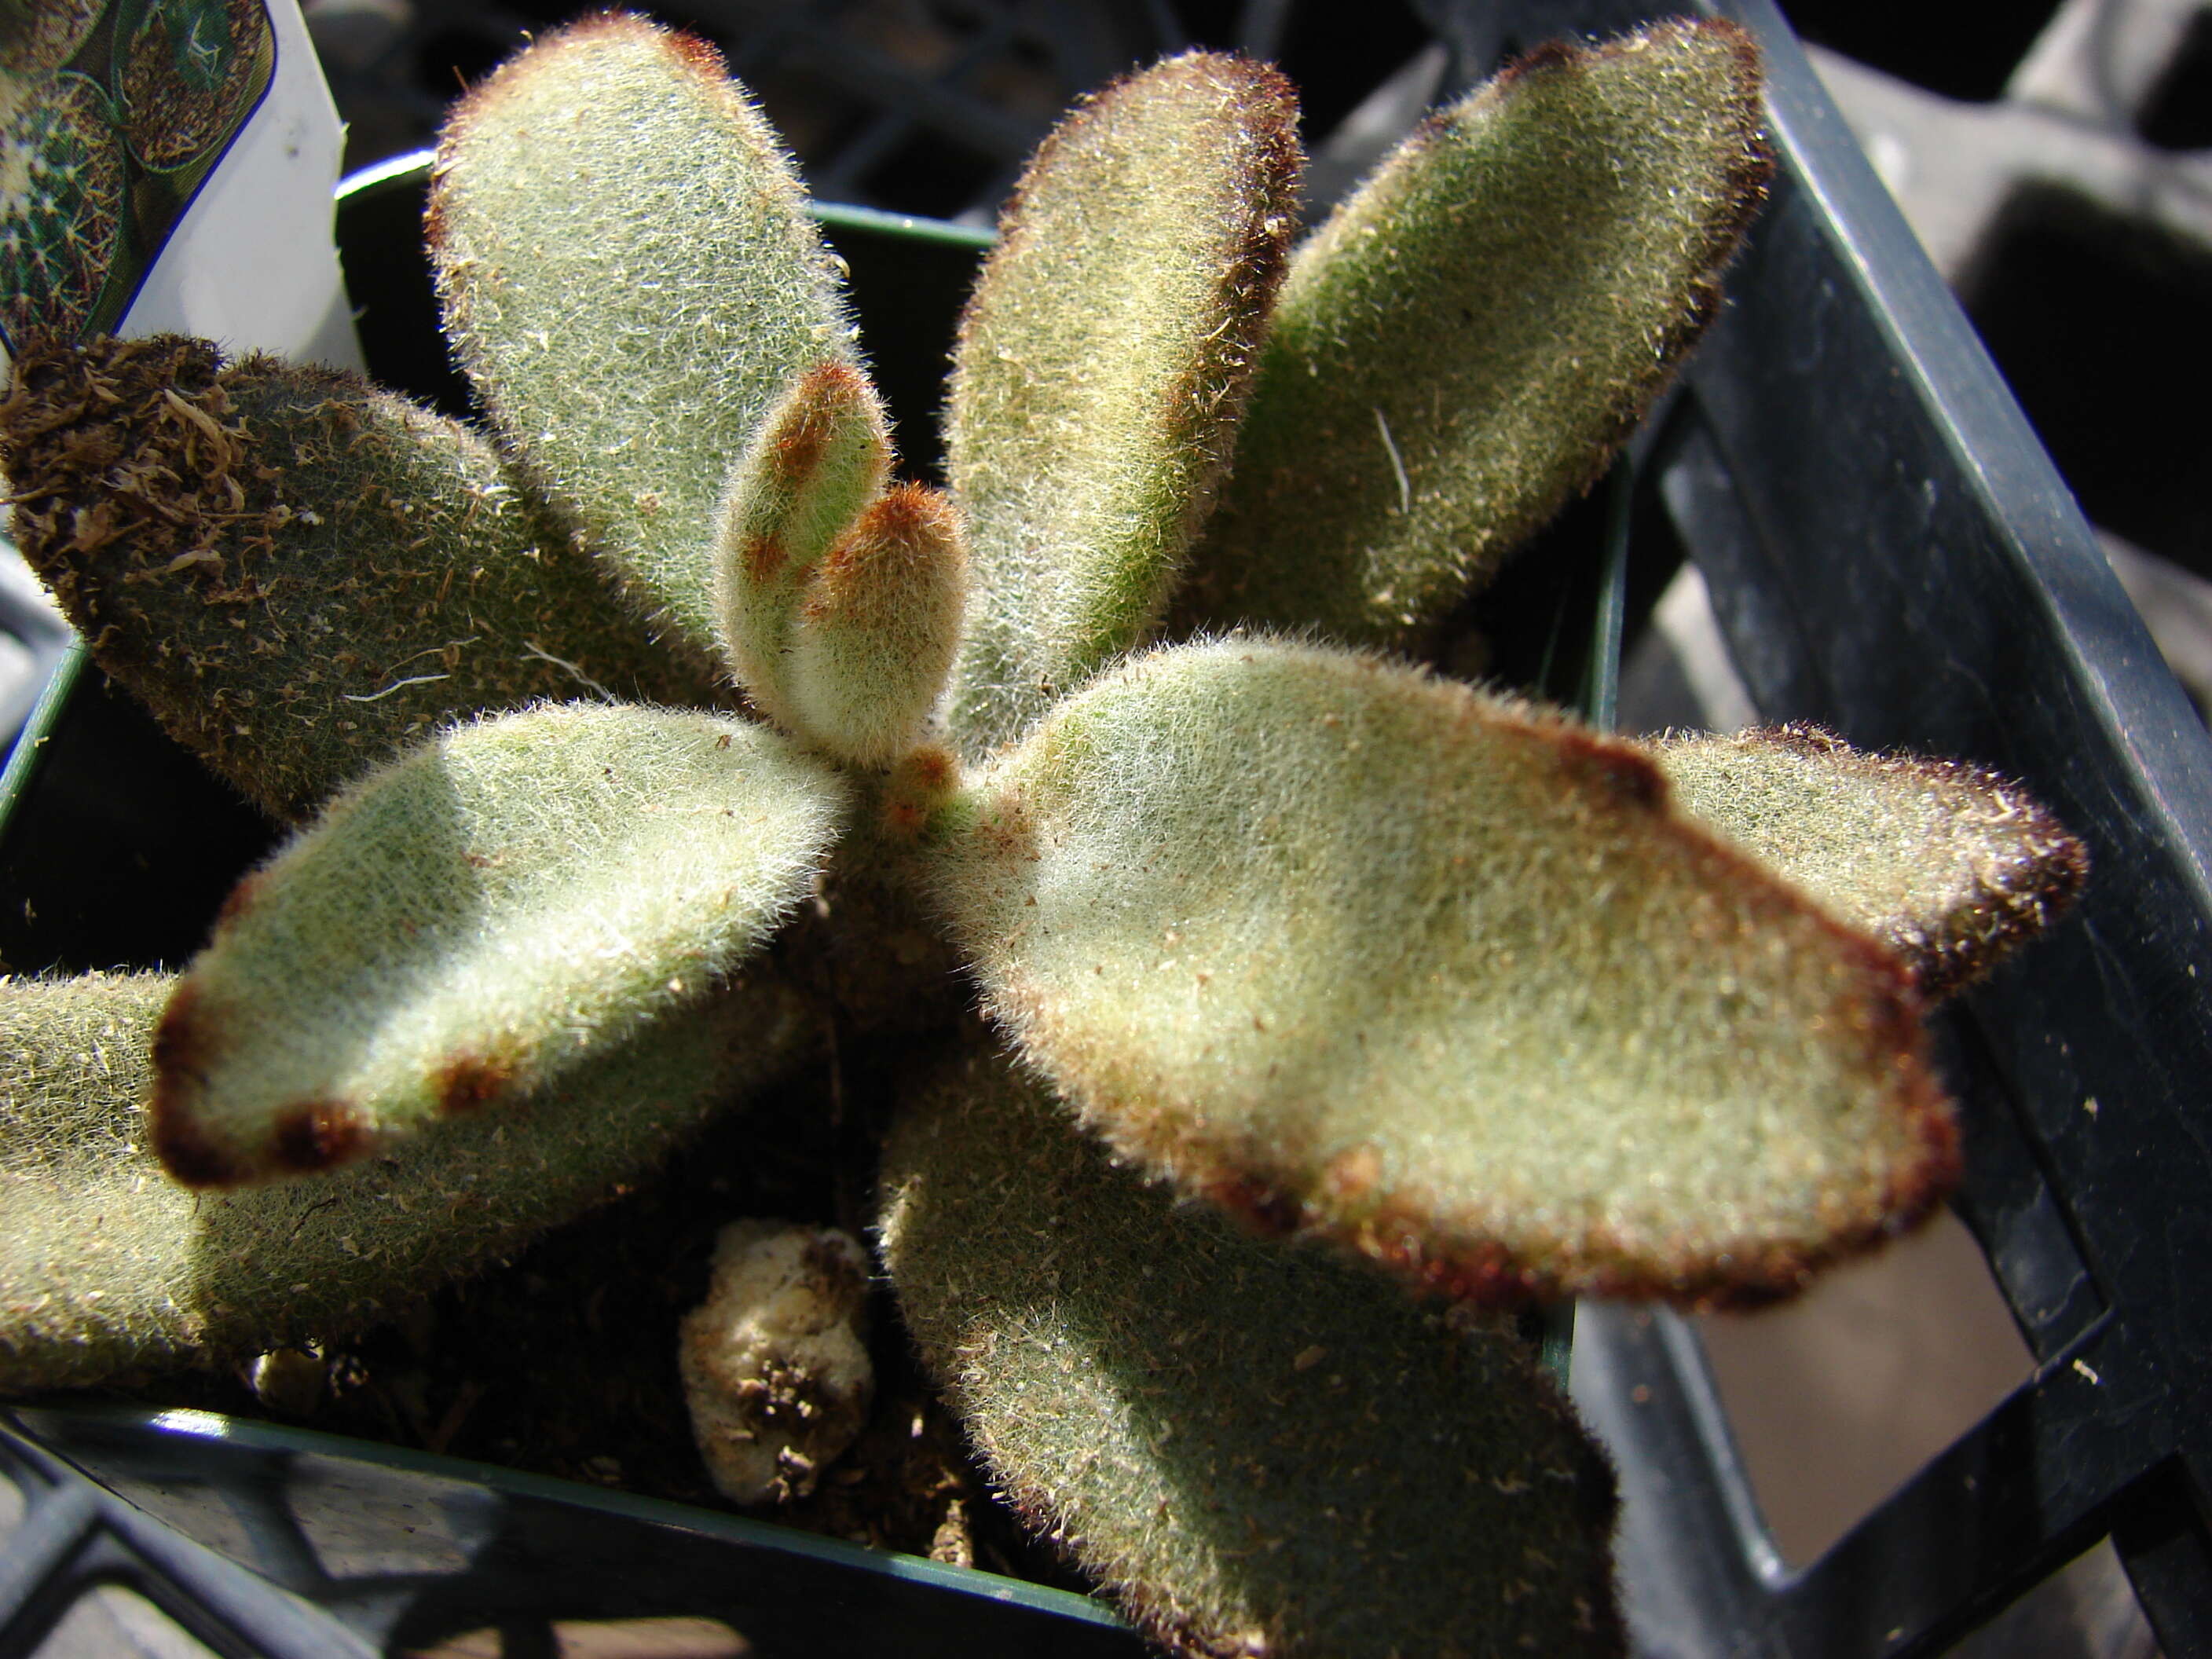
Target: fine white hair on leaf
1441, 975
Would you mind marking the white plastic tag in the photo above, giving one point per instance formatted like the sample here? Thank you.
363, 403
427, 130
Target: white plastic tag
169, 166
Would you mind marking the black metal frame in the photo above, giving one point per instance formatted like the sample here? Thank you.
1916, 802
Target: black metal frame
1891, 554
76, 1536
329, 1553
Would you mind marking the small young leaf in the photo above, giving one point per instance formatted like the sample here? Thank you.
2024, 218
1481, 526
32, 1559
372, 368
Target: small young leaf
468, 923
877, 628
1101, 367
632, 281
1372, 955
106, 1264
1468, 338
301, 574
1257, 1448
1951, 866
820, 458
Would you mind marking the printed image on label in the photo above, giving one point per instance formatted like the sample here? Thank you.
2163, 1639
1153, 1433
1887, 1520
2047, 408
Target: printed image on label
112, 114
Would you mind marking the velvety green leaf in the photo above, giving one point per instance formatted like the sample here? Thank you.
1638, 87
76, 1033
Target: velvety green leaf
301, 574
1368, 954
1103, 364
1462, 346
631, 279
1258, 1449
107, 1265
473, 920
1951, 866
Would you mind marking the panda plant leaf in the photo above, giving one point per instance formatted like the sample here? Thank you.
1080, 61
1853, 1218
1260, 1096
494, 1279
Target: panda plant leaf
1286, 936
1089, 1367
110, 1265
1587, 1049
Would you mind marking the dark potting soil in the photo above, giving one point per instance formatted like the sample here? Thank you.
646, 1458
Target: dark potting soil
562, 1361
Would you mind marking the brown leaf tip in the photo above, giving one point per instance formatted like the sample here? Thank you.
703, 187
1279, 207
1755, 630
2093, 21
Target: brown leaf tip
909, 514
317, 1135
699, 55
692, 57
1259, 92
1753, 173
603, 25
181, 1049
1266, 1210
240, 900
1750, 168
1747, 168
795, 448
2024, 888
895, 548
185, 1150
469, 1083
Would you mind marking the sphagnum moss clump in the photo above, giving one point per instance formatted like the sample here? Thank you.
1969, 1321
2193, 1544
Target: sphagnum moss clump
1317, 971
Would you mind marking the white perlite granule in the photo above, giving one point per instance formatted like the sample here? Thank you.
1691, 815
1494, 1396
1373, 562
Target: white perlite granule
775, 1369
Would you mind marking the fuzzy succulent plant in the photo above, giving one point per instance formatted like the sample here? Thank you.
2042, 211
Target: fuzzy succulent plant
1314, 978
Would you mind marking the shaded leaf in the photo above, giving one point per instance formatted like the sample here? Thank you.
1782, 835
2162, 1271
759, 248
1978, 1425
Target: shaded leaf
631, 280
1463, 344
1368, 954
1951, 866
1258, 1449
1103, 364
465, 925
107, 1265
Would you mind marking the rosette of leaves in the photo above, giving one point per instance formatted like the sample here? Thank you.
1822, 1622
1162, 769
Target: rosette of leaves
1321, 975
